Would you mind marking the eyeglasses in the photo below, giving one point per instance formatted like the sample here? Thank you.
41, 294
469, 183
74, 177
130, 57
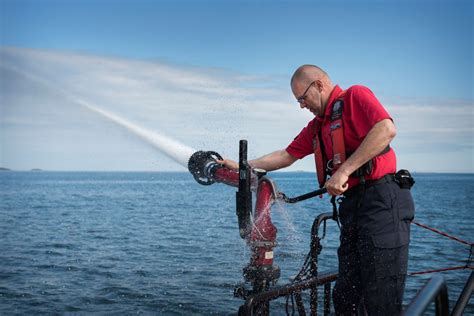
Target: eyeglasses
303, 97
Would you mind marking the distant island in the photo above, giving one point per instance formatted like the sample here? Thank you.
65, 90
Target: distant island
33, 170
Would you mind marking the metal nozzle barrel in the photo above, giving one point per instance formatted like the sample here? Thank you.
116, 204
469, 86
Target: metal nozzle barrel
202, 165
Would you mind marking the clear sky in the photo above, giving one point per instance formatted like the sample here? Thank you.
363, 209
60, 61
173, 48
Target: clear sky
208, 73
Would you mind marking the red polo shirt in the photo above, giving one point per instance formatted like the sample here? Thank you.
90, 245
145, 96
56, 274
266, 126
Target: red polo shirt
361, 112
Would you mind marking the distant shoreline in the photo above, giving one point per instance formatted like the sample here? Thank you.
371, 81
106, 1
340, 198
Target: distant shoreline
31, 170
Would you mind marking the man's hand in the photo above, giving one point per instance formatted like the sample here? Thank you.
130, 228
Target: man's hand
337, 184
228, 163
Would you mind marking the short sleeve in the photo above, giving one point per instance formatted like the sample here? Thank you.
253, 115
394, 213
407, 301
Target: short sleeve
364, 109
302, 145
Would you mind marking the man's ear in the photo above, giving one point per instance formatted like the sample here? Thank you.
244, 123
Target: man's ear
319, 83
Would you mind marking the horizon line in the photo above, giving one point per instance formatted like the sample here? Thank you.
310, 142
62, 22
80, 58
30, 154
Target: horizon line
4, 169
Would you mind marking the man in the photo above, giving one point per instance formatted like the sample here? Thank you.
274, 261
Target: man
350, 137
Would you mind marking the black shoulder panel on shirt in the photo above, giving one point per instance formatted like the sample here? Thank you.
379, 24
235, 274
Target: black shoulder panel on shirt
337, 110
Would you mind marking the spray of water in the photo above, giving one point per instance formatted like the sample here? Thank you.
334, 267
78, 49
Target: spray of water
293, 233
170, 147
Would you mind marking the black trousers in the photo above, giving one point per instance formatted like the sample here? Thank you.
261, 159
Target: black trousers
373, 252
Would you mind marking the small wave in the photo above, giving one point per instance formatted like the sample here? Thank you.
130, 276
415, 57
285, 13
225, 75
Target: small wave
142, 273
114, 289
120, 292
106, 274
69, 308
99, 237
56, 267
53, 253
97, 301
39, 207
58, 246
8, 294
94, 231
8, 275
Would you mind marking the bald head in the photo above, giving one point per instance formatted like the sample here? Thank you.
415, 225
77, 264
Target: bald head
308, 73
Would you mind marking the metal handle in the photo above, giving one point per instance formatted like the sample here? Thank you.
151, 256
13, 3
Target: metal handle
303, 197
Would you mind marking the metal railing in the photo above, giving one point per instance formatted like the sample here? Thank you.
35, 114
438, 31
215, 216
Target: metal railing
434, 290
463, 299
324, 278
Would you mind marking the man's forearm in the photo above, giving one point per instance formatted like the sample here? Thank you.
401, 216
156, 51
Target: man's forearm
276, 160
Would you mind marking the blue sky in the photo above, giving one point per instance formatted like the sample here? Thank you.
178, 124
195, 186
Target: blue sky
231, 61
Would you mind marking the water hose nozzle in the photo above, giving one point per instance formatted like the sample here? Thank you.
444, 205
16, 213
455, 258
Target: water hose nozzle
201, 164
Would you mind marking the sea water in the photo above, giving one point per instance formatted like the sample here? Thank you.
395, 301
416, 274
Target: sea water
159, 243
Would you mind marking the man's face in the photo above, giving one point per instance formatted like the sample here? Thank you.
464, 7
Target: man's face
308, 96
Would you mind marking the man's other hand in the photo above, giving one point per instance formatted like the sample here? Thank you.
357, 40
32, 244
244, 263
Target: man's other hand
337, 184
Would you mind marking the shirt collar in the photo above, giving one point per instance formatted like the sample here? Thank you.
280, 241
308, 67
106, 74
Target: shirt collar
335, 93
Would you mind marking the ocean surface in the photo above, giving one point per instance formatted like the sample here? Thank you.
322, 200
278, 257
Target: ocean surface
161, 244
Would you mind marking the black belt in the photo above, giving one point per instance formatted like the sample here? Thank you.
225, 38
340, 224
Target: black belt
369, 183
